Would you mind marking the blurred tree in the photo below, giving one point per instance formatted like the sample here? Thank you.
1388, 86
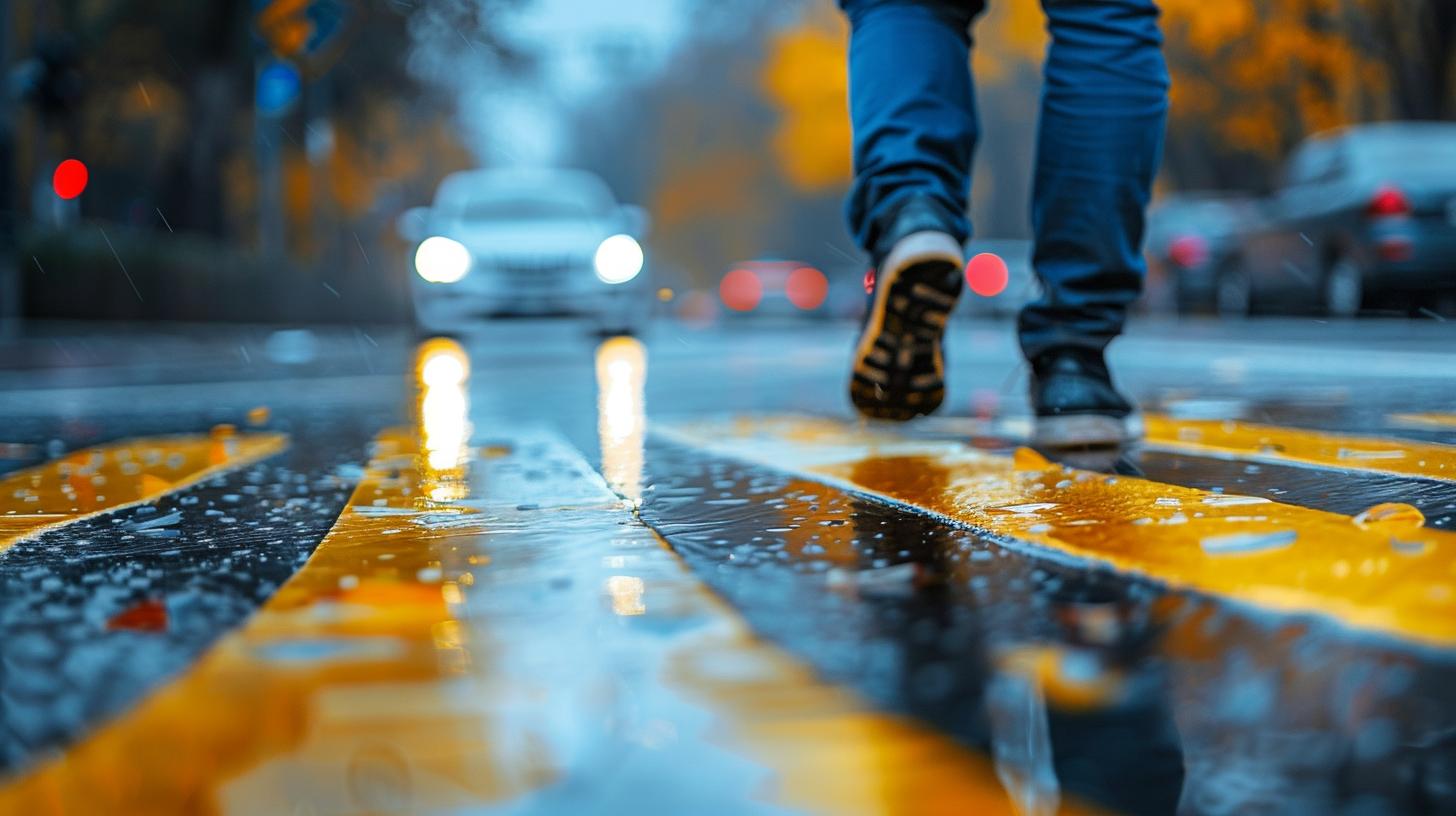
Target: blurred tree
1251, 79
178, 80
1416, 39
166, 147
694, 144
806, 79
716, 197
164, 117
742, 146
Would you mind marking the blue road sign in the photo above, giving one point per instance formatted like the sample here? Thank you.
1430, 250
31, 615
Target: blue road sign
278, 87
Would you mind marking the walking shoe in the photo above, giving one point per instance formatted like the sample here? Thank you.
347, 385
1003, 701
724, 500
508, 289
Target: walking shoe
899, 366
1076, 403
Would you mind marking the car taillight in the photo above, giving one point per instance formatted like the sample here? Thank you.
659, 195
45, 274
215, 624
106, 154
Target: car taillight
741, 290
1394, 248
806, 288
1388, 202
1188, 251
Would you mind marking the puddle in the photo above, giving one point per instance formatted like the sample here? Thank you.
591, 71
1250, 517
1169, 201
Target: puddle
1248, 543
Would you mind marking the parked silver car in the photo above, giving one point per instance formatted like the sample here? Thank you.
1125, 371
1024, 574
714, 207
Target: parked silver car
1363, 213
519, 242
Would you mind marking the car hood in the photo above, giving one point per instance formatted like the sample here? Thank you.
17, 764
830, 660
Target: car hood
525, 238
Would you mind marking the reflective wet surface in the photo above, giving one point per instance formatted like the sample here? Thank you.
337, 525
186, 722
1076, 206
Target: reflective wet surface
537, 571
1221, 706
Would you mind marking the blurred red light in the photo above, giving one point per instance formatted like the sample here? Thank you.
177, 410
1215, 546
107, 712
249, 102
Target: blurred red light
1388, 201
806, 288
1188, 251
145, 616
1395, 248
70, 178
741, 290
987, 275
869, 281
697, 308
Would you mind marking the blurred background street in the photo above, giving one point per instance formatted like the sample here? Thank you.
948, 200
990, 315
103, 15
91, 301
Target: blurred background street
250, 161
439, 406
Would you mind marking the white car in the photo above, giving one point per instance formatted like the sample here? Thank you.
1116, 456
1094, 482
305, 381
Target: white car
541, 242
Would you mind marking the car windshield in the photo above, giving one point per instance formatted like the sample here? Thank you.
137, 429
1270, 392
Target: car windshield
1207, 217
1417, 150
525, 208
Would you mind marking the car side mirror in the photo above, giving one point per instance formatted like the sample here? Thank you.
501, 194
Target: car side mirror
635, 220
413, 225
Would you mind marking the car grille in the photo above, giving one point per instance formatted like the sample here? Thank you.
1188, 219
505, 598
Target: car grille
551, 266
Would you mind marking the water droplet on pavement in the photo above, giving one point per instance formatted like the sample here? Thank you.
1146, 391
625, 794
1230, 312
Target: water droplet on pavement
1244, 543
1391, 516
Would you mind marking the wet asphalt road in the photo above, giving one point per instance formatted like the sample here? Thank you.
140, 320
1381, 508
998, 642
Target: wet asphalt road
546, 463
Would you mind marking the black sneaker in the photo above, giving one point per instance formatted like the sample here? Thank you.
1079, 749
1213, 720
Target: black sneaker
1076, 403
899, 367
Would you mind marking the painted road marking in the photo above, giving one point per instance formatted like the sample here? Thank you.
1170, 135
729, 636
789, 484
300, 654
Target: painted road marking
110, 477
1236, 439
1270, 443
351, 630
483, 622
1424, 421
921, 616
1381, 571
1347, 492
370, 661
138, 594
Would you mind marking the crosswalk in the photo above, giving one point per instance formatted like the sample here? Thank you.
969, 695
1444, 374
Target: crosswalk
113, 477
412, 624
749, 614
1381, 570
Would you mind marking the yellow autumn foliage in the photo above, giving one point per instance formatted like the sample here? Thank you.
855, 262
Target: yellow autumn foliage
1256, 74
1260, 74
806, 79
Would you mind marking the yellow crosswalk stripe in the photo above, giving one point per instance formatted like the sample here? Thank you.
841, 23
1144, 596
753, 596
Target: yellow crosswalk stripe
1382, 571
1428, 420
398, 669
180, 749
369, 683
120, 474
1270, 443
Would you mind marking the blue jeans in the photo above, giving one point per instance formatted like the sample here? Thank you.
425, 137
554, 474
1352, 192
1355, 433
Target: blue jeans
1098, 146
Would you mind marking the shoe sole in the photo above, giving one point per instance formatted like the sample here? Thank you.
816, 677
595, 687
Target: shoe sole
899, 365
1086, 431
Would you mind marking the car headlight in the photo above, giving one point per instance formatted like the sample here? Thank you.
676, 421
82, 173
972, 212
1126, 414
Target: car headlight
442, 260
618, 259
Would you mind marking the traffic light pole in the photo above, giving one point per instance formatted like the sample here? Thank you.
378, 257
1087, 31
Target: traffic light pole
270, 178
10, 291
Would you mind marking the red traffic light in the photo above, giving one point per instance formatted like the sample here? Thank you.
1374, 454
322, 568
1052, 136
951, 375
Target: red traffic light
70, 178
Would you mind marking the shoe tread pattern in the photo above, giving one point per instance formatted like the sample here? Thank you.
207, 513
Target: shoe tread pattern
899, 365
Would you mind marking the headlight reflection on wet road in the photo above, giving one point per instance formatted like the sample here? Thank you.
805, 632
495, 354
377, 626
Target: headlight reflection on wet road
622, 413
442, 373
